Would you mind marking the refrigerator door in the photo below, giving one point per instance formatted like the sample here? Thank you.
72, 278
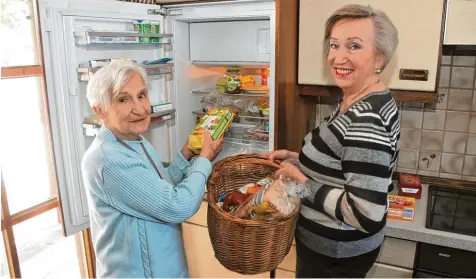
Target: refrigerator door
68, 45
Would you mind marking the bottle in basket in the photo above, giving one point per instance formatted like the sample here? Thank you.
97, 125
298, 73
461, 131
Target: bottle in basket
145, 29
155, 29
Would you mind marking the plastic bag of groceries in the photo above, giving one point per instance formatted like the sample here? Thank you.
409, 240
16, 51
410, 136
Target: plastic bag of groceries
275, 201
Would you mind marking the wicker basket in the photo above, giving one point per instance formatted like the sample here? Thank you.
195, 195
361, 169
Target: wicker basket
245, 246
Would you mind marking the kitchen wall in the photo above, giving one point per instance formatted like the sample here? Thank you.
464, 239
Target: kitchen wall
437, 140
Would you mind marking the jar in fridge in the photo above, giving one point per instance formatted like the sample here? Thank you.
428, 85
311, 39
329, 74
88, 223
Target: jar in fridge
233, 81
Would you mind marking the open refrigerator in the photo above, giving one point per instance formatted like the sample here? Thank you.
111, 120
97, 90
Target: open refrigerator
203, 43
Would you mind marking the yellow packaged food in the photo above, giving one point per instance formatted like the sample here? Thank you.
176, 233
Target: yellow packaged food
247, 81
216, 121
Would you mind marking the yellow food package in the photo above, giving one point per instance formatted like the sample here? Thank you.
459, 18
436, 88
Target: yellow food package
216, 121
247, 81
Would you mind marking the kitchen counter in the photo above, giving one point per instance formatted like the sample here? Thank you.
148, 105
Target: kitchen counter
417, 231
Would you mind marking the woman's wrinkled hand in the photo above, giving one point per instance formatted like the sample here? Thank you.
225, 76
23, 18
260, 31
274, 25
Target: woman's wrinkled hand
211, 148
283, 155
292, 172
186, 152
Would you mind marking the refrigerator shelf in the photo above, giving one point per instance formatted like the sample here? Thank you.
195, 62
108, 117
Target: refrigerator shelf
118, 38
265, 118
215, 91
155, 69
91, 124
247, 142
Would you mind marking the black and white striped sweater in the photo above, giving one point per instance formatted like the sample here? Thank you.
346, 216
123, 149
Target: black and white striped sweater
349, 160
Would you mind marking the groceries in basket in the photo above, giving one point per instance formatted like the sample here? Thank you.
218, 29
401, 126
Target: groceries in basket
268, 200
216, 121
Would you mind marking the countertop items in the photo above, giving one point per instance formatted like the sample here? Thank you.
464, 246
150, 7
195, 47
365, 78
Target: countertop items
417, 231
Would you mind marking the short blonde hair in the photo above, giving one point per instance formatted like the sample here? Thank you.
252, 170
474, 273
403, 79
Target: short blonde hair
108, 81
385, 33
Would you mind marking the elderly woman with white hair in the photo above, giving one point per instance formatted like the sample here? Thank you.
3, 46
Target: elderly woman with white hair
136, 205
348, 160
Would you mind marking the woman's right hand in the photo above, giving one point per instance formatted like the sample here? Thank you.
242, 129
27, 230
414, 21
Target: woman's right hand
282, 155
211, 148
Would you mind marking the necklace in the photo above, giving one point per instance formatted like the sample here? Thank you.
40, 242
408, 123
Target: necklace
357, 97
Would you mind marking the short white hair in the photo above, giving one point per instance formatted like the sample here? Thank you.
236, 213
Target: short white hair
108, 81
385, 33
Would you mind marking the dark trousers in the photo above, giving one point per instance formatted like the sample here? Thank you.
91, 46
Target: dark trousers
310, 264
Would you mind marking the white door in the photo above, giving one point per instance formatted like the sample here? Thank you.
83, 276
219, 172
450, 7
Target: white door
69, 44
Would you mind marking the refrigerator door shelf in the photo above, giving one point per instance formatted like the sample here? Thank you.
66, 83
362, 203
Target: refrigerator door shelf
84, 74
107, 38
91, 125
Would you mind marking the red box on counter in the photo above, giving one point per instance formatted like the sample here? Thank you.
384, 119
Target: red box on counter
409, 186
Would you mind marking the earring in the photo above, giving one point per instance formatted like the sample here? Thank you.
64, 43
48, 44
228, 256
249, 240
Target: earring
377, 71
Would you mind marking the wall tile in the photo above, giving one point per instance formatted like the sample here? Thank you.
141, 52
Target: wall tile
469, 178
462, 77
410, 138
460, 99
407, 159
434, 119
473, 107
446, 59
429, 161
432, 140
469, 165
472, 124
442, 100
464, 60
445, 130
450, 176
325, 111
471, 145
451, 163
428, 173
415, 105
318, 118
411, 117
457, 121
403, 170
444, 76
455, 142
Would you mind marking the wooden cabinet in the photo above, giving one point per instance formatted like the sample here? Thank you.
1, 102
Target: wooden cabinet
289, 262
397, 252
419, 24
281, 273
201, 257
200, 218
198, 248
461, 22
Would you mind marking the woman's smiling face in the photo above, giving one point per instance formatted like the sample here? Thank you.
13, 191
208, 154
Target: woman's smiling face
352, 55
128, 115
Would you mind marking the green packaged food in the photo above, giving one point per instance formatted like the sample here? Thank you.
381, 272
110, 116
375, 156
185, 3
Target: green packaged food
145, 29
155, 29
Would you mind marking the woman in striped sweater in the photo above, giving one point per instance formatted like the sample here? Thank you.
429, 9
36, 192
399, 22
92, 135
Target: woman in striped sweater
348, 160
